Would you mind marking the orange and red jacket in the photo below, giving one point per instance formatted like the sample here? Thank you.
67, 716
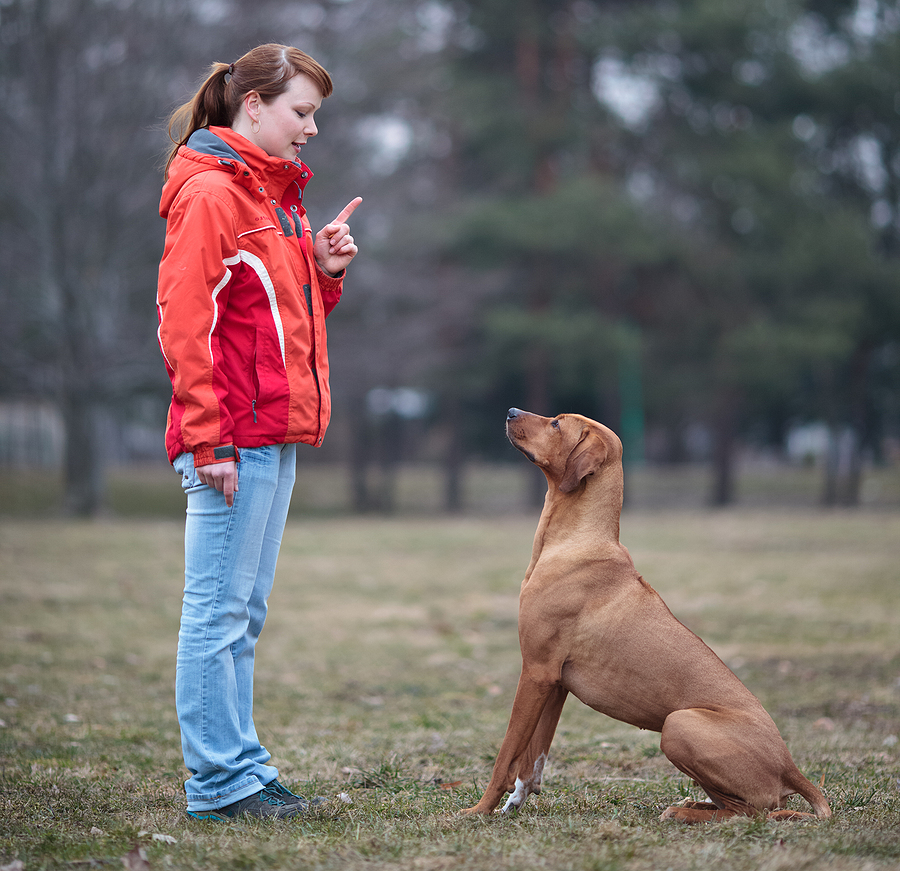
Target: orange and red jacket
242, 303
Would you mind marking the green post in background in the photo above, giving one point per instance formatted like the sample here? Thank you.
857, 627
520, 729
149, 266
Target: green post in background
631, 396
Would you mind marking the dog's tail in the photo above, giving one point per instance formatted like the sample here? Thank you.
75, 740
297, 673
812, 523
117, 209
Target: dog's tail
813, 795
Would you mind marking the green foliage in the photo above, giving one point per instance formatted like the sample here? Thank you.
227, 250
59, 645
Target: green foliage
747, 224
582, 224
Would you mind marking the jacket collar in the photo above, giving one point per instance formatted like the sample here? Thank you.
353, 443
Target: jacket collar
223, 150
275, 174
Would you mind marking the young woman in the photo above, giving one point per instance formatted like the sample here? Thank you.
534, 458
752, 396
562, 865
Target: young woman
244, 290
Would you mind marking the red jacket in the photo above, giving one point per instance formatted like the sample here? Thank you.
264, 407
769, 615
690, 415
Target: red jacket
242, 303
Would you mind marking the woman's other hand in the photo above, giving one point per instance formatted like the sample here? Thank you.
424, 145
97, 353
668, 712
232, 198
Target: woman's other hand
222, 477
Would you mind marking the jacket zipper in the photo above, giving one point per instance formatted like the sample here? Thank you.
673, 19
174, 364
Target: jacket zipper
307, 293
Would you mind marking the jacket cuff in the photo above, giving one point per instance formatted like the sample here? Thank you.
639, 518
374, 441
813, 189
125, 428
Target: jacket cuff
208, 455
334, 280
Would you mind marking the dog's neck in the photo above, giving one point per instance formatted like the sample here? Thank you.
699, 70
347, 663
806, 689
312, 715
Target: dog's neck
593, 508
600, 506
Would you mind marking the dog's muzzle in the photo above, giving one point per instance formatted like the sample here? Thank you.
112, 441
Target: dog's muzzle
511, 417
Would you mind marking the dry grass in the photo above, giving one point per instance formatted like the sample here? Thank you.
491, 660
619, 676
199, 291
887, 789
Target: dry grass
386, 673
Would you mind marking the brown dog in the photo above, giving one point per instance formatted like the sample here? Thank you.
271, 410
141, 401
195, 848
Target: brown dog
590, 625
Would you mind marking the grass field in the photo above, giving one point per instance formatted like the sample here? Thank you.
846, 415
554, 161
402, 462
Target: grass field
384, 682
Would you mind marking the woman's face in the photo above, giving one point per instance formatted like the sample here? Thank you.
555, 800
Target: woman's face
285, 124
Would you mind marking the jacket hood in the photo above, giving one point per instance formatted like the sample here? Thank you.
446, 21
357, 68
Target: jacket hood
220, 149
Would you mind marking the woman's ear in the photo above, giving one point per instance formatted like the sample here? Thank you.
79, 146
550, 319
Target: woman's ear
251, 105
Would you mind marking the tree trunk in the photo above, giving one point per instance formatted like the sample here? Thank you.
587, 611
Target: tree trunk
360, 454
724, 432
859, 417
453, 459
84, 479
843, 468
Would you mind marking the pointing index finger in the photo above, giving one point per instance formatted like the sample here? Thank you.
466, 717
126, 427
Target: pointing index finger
347, 211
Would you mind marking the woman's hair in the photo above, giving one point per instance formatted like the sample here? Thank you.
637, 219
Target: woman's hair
266, 69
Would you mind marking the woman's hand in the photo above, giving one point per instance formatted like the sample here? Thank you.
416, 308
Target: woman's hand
222, 477
334, 247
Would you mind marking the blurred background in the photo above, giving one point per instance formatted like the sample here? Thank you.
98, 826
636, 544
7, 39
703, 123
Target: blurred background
679, 218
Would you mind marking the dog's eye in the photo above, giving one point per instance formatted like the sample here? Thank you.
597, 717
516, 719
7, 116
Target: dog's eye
554, 424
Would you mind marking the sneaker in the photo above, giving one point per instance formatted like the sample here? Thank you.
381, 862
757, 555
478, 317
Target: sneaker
286, 795
265, 803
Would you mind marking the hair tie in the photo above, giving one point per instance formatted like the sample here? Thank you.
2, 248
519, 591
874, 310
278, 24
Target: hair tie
229, 74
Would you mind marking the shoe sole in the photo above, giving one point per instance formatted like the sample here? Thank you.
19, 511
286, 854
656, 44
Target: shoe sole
217, 817
208, 815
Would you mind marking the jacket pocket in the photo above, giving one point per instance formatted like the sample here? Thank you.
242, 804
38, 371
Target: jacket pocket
268, 377
255, 379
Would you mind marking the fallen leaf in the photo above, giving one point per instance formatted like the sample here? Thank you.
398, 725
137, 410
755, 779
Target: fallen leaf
136, 860
451, 785
97, 833
166, 839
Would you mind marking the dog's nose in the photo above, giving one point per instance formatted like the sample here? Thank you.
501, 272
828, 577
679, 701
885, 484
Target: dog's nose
512, 414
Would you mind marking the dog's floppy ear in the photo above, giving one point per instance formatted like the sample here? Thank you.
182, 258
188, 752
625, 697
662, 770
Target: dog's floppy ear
586, 457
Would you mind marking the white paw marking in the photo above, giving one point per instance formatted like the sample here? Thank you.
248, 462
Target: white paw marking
524, 788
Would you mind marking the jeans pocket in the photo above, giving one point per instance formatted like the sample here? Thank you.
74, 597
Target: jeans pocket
261, 459
184, 465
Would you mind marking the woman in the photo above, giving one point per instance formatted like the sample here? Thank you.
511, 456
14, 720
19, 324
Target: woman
244, 289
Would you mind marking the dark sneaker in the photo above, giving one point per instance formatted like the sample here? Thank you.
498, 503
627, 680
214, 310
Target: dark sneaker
286, 795
265, 803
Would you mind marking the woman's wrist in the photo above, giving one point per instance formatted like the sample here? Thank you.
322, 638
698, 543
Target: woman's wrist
331, 274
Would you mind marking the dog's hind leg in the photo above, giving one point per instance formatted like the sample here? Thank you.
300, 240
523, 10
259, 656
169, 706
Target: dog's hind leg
531, 768
740, 761
722, 758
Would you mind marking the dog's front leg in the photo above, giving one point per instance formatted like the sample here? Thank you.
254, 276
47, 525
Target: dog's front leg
530, 770
532, 696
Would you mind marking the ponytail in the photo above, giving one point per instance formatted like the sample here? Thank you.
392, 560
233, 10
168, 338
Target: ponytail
266, 69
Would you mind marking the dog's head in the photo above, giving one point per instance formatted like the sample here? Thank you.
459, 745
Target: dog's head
568, 448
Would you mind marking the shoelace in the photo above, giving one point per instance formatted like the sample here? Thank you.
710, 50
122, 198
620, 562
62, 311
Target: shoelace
271, 798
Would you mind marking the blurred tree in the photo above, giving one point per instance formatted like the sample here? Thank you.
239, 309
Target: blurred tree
555, 191
766, 133
538, 210
86, 87
385, 138
77, 206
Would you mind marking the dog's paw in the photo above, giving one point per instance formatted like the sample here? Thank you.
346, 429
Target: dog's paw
789, 816
694, 812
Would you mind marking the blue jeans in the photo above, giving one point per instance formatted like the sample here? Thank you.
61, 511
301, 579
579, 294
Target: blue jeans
230, 556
